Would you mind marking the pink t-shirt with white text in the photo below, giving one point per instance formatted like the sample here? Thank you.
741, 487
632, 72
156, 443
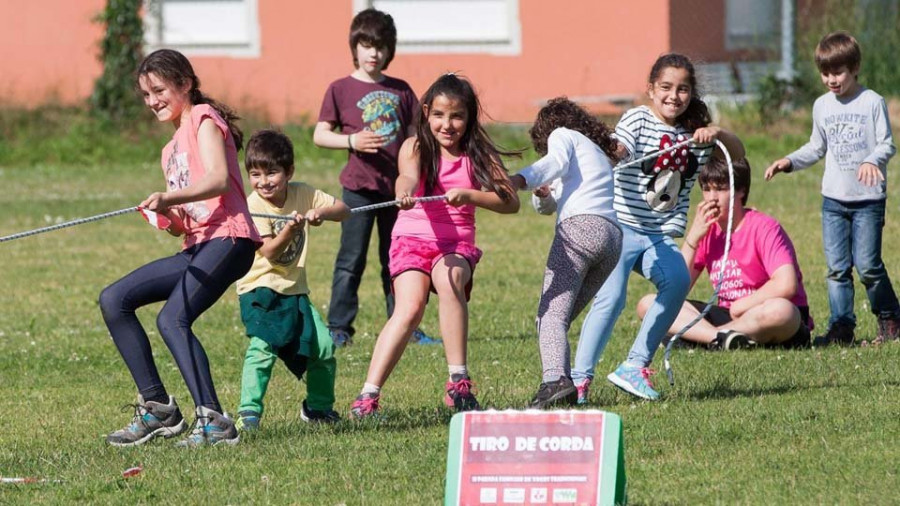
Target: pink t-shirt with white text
439, 221
758, 248
223, 216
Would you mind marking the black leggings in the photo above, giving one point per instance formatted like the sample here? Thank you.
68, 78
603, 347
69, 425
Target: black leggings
190, 282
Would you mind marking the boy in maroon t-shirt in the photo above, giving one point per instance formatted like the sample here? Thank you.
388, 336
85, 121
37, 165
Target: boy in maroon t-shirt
374, 113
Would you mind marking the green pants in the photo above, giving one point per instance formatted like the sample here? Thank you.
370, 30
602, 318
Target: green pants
320, 368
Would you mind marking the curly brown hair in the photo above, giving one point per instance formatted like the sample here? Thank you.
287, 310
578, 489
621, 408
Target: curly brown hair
560, 112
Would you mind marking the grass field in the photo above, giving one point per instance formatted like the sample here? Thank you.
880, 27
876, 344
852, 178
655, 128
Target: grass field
756, 427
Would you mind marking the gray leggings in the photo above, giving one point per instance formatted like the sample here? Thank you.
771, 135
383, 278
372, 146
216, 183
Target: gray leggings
584, 252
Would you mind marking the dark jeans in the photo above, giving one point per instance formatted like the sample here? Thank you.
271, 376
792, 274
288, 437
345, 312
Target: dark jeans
852, 233
351, 258
190, 282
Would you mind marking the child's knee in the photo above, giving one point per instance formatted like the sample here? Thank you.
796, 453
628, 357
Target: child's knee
644, 304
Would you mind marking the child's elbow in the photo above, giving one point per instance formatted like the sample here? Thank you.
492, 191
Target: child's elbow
511, 206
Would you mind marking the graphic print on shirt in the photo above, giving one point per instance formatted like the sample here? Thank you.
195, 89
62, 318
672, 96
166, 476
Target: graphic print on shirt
669, 171
733, 287
290, 254
846, 135
379, 114
178, 176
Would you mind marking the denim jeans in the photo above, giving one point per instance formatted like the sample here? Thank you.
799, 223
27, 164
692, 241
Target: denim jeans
657, 258
351, 258
852, 233
190, 282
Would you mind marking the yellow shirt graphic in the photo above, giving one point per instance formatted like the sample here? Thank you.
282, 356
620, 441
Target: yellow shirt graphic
286, 274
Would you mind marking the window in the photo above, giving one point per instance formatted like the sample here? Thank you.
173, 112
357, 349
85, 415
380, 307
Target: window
453, 26
204, 27
752, 25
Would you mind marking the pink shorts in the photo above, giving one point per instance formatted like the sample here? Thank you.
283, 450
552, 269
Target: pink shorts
412, 254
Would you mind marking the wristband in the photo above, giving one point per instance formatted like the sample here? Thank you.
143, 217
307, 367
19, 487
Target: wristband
350, 142
692, 246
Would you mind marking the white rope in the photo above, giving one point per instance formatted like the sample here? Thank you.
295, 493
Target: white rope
654, 154
715, 294
68, 224
355, 210
395, 202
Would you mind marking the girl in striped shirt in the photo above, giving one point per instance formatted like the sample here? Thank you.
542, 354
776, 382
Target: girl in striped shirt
651, 201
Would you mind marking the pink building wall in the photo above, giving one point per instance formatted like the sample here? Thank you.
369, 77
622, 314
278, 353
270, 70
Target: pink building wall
585, 49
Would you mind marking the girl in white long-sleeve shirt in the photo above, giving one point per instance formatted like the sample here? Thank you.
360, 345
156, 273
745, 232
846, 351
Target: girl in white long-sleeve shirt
579, 154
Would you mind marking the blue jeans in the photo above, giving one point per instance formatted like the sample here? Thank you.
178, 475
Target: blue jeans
190, 282
657, 258
351, 258
852, 233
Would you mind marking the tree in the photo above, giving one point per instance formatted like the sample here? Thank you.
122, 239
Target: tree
121, 51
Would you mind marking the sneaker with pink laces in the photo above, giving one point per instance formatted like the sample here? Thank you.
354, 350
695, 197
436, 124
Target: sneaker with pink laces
584, 389
634, 380
364, 406
461, 395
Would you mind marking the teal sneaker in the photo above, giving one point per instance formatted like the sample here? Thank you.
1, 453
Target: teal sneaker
634, 380
151, 419
210, 429
248, 421
420, 337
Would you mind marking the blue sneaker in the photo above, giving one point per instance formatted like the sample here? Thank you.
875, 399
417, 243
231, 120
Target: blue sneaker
210, 429
248, 421
420, 337
634, 380
150, 420
341, 338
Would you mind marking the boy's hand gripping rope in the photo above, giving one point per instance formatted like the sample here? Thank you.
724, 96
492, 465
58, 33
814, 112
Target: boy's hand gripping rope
715, 294
355, 210
68, 224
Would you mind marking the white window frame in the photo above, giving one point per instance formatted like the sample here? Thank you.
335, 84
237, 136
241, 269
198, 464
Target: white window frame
744, 30
512, 45
153, 33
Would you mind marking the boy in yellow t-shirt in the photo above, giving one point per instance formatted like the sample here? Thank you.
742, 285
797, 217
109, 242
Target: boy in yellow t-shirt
275, 308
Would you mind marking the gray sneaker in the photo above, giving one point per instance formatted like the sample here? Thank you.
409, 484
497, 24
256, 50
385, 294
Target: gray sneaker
151, 419
211, 428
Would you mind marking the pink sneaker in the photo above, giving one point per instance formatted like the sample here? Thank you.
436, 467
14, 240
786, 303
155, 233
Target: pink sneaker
364, 406
461, 395
584, 389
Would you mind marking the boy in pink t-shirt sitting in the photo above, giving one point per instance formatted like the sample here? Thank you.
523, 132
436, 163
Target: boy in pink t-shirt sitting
761, 299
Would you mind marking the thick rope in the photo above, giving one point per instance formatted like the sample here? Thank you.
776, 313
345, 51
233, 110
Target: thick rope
68, 224
715, 294
395, 202
355, 210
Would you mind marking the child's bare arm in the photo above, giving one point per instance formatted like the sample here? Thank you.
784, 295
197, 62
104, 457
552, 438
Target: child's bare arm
366, 141
274, 246
783, 284
335, 212
408, 179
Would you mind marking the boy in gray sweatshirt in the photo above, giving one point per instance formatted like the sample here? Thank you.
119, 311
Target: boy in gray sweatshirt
851, 129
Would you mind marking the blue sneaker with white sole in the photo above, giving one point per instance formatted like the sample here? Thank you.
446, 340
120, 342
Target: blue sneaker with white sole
210, 429
634, 380
420, 337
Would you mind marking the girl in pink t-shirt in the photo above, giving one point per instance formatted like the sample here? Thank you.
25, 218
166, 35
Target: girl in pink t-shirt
433, 244
206, 204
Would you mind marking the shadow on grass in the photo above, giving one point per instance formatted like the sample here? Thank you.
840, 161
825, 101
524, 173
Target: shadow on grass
723, 390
